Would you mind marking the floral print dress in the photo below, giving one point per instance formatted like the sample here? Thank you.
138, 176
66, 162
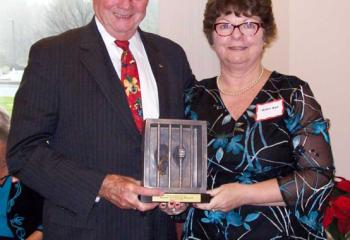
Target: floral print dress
292, 146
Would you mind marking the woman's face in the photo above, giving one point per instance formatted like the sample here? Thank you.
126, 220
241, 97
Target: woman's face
237, 49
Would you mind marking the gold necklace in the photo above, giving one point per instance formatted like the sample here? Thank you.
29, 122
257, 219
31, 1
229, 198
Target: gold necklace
242, 90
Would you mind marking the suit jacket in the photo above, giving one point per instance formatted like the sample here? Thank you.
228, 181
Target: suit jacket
71, 126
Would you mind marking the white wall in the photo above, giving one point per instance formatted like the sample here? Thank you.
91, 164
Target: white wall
320, 54
312, 44
181, 21
277, 56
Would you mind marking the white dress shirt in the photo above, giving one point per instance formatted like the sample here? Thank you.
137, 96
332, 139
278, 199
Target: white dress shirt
149, 90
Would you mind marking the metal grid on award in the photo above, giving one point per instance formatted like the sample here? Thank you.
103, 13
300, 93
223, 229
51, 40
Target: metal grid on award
175, 155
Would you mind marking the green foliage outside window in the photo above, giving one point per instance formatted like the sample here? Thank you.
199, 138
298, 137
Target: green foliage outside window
7, 103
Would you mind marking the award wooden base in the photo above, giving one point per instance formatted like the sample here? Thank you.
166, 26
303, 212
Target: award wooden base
178, 197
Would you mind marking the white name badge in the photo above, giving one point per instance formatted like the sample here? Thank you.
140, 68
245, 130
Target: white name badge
269, 110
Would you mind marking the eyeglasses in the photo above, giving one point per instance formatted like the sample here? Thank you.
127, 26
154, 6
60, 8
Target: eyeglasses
225, 29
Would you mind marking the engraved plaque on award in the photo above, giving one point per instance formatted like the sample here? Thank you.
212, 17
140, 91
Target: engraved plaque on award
175, 160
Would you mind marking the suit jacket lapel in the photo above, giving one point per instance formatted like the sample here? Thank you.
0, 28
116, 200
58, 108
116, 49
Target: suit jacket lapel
160, 72
97, 61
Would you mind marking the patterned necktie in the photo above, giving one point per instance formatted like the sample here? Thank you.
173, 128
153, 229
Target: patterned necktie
131, 82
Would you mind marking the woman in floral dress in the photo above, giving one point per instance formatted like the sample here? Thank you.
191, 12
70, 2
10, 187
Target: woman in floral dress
270, 166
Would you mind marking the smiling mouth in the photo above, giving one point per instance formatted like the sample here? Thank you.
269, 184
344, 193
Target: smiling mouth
237, 48
122, 16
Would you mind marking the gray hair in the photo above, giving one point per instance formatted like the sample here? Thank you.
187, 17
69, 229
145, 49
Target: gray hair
4, 124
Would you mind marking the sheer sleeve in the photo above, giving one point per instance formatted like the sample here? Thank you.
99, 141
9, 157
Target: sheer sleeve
306, 190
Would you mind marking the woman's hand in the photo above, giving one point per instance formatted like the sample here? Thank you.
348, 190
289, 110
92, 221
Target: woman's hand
173, 208
234, 195
225, 197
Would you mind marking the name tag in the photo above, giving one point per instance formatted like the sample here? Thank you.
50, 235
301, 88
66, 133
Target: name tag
269, 110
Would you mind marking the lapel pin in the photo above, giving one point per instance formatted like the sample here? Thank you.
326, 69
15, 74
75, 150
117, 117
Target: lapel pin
160, 66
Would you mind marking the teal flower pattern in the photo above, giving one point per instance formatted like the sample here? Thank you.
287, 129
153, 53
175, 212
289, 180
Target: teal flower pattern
215, 217
235, 219
234, 145
321, 127
293, 121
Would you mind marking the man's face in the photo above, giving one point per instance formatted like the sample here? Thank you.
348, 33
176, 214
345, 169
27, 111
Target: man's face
121, 18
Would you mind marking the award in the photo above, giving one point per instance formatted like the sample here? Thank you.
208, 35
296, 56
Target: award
175, 160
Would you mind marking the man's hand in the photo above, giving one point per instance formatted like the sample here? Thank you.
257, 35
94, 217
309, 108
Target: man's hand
123, 192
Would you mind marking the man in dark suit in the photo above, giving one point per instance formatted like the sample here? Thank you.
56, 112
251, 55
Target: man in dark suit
73, 136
